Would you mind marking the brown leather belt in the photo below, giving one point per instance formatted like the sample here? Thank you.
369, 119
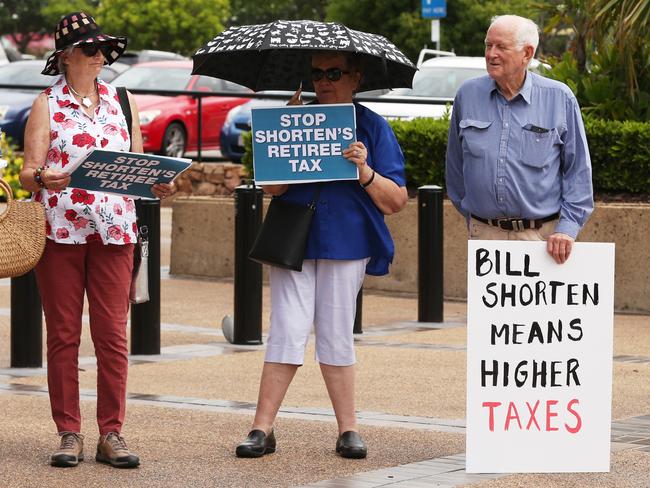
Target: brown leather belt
516, 224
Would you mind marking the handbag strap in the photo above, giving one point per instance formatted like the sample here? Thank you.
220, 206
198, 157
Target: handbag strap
10, 198
126, 108
123, 96
312, 204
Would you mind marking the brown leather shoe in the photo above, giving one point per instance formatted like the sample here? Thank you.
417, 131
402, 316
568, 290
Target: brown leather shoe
111, 449
70, 451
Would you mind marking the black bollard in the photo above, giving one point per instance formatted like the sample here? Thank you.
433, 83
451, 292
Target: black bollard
199, 127
430, 250
26, 323
358, 318
145, 317
246, 327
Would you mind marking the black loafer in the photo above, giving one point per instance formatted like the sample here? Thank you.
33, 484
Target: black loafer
351, 445
256, 444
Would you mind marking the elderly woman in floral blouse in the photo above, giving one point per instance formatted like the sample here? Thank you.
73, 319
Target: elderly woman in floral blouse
90, 235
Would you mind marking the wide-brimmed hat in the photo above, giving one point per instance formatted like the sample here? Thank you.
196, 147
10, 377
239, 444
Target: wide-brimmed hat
80, 28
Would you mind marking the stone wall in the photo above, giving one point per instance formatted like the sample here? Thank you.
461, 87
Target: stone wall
203, 235
210, 179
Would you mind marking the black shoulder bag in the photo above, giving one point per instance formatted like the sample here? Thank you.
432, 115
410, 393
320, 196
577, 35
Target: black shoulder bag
126, 108
139, 292
282, 240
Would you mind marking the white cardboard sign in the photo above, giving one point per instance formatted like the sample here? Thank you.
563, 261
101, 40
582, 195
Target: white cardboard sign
539, 358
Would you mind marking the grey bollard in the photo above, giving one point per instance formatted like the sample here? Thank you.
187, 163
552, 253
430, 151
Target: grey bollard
26, 322
430, 254
145, 317
246, 325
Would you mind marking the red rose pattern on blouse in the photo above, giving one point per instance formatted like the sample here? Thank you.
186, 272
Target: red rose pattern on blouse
74, 215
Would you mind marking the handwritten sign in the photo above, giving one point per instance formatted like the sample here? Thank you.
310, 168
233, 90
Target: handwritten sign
303, 143
125, 173
539, 358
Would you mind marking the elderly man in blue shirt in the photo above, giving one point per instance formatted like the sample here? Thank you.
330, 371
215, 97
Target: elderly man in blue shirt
518, 164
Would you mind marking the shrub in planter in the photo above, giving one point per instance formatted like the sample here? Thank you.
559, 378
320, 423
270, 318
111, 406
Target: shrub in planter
620, 152
11, 172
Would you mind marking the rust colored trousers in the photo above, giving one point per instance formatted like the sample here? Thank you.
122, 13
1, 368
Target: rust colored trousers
103, 272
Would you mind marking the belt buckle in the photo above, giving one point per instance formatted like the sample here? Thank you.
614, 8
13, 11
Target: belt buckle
501, 222
516, 225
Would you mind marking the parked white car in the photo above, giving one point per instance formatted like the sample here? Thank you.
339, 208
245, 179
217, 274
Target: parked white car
437, 80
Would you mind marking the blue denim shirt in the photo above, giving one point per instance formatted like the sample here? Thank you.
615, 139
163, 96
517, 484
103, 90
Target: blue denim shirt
347, 224
527, 157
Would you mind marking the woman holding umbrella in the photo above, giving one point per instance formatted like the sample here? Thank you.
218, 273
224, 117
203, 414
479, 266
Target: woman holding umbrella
348, 238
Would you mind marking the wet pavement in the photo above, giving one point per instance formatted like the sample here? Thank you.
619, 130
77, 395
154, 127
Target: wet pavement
189, 406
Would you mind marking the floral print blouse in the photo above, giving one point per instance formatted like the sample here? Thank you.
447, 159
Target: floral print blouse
76, 216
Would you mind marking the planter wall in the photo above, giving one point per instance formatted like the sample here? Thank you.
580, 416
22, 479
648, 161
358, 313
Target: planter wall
203, 234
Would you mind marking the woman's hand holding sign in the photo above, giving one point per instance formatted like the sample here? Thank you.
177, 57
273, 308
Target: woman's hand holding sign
53, 179
357, 153
388, 197
163, 190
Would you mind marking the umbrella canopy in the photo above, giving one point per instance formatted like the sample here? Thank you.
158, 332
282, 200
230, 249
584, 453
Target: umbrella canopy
277, 56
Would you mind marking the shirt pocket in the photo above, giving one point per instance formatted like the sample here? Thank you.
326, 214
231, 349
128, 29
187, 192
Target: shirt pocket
475, 137
538, 148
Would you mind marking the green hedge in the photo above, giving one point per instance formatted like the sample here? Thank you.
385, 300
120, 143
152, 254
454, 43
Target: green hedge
424, 143
620, 153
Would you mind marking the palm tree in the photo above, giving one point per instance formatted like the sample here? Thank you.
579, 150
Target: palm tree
627, 23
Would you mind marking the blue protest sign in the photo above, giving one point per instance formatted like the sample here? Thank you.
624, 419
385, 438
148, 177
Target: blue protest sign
434, 9
303, 143
125, 173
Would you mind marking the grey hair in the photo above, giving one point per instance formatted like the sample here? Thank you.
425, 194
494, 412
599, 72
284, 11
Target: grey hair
68, 50
526, 31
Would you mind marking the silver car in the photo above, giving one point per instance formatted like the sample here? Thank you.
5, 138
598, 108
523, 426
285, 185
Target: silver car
435, 84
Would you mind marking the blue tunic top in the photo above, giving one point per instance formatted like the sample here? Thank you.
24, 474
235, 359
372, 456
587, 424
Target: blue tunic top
347, 224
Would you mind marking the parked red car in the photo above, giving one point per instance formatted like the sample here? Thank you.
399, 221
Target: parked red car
170, 124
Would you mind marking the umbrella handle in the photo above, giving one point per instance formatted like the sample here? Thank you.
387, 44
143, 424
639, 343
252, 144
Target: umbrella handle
384, 69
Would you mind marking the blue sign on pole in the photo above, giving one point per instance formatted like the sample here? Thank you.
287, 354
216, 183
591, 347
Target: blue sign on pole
434, 9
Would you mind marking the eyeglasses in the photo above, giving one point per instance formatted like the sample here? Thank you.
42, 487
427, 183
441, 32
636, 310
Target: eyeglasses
90, 49
332, 74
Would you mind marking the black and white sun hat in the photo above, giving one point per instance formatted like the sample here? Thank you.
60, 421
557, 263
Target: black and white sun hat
77, 29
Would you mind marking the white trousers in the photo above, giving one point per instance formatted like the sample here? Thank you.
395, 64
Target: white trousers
324, 295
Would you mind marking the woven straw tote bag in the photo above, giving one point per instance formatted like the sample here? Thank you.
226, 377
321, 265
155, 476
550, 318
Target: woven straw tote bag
22, 235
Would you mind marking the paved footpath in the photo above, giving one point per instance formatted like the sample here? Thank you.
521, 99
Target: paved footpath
189, 406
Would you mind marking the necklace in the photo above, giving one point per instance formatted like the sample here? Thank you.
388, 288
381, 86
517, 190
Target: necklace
85, 101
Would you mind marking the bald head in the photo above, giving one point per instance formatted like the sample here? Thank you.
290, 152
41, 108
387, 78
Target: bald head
524, 31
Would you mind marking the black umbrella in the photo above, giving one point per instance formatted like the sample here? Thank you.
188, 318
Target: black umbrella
276, 56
